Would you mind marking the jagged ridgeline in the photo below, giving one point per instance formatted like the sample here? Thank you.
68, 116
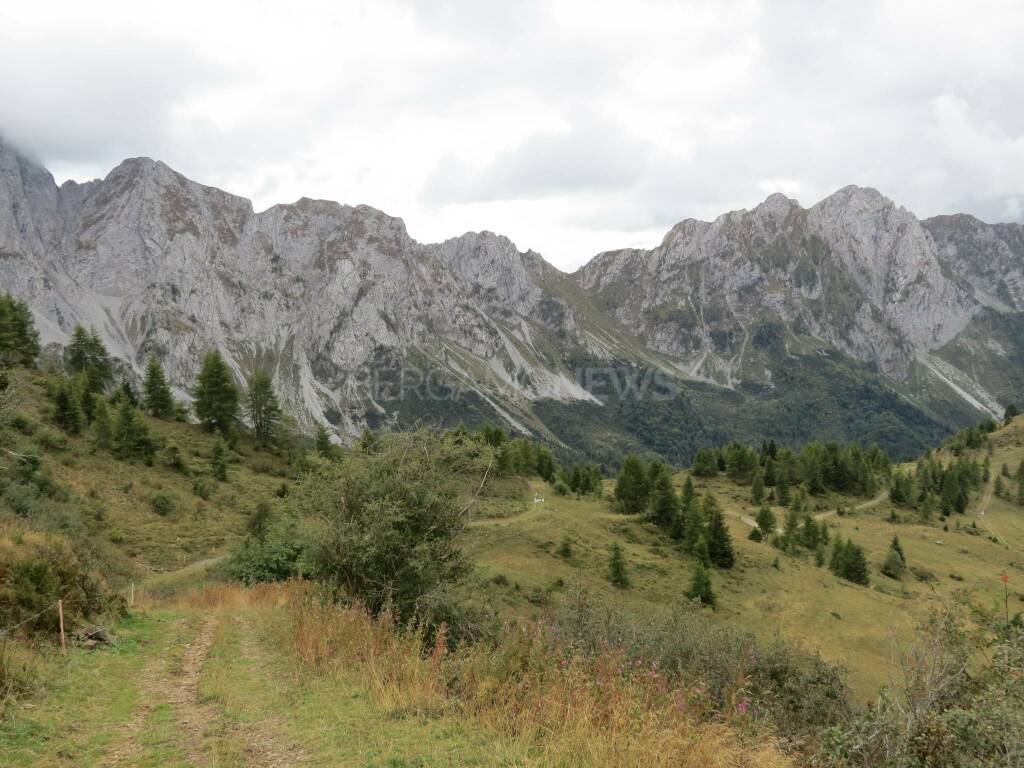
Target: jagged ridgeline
851, 320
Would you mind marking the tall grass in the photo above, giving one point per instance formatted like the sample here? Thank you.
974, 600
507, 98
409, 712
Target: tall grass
532, 693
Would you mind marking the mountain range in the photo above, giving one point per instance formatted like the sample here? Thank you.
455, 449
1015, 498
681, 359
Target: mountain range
851, 319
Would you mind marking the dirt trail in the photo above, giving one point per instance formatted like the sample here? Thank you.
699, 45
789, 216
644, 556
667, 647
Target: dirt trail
178, 687
983, 506
821, 515
162, 683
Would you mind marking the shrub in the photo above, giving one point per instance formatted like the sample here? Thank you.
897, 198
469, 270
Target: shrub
275, 557
383, 525
23, 499
202, 488
50, 439
534, 688
163, 503
35, 571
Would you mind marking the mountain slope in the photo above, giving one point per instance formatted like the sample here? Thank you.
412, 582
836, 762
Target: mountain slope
733, 298
741, 327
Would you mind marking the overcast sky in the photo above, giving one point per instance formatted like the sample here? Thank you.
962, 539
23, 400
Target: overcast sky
572, 127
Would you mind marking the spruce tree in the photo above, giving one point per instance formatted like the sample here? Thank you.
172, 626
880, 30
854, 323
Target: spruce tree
219, 460
322, 442
893, 565
131, 435
700, 586
856, 565
705, 463
720, 547
700, 551
617, 574
631, 490
689, 494
156, 393
216, 396
102, 429
67, 412
125, 392
691, 526
545, 464
368, 442
898, 548
664, 502
76, 353
766, 521
19, 340
757, 487
262, 408
782, 485
86, 354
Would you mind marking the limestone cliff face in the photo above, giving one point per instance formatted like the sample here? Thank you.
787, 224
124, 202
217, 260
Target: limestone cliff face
320, 294
854, 270
314, 291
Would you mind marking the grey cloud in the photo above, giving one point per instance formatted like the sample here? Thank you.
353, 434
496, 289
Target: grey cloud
591, 157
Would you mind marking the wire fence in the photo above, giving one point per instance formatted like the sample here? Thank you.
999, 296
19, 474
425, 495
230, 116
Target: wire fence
13, 627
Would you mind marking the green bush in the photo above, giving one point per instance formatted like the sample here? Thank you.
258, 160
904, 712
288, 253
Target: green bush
23, 499
50, 439
163, 503
794, 692
202, 487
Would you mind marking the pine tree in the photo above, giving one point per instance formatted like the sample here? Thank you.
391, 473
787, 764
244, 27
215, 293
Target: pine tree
705, 463
896, 547
219, 460
87, 355
156, 393
757, 487
857, 565
691, 524
131, 435
700, 551
545, 464
700, 587
664, 502
631, 490
87, 399
216, 396
765, 521
782, 485
322, 442
67, 412
125, 392
262, 408
19, 340
76, 353
617, 574
689, 494
893, 565
719, 541
368, 441
102, 429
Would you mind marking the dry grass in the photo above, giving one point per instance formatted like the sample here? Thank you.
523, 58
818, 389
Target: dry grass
529, 692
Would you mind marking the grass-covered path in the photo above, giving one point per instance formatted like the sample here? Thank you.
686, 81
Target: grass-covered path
149, 700
197, 687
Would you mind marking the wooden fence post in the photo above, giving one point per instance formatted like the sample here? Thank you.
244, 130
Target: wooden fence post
60, 614
131, 596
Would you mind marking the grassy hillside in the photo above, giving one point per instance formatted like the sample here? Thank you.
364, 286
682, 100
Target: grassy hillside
851, 625
114, 506
206, 674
